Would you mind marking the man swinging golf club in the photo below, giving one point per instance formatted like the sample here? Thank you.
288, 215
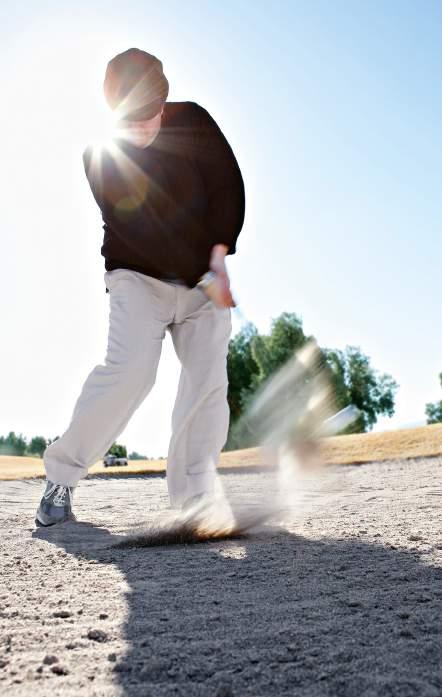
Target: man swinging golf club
171, 195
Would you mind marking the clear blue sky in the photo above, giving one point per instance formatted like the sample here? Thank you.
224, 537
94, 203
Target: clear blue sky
333, 110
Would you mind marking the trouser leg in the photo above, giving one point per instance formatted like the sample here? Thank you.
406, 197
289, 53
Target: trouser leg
200, 417
139, 314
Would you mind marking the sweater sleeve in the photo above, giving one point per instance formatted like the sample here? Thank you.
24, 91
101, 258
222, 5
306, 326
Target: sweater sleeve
223, 181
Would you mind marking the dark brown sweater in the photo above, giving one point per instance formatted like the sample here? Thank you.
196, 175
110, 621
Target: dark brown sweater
165, 206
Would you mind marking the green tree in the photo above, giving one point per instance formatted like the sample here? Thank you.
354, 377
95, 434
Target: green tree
433, 410
241, 367
37, 446
13, 444
252, 359
356, 382
136, 456
272, 351
118, 450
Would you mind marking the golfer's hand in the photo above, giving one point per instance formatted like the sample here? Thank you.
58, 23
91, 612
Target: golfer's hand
219, 290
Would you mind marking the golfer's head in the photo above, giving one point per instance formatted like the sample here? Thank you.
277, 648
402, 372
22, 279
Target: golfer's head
136, 89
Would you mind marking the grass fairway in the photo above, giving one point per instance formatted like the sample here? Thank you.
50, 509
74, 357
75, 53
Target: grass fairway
425, 441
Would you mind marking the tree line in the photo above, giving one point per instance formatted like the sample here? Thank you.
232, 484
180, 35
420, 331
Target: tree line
17, 444
252, 359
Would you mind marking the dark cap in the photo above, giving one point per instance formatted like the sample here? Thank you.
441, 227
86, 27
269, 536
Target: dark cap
135, 86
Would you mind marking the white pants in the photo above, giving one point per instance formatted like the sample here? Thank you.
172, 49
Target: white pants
141, 309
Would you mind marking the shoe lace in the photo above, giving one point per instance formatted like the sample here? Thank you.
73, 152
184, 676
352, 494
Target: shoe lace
60, 495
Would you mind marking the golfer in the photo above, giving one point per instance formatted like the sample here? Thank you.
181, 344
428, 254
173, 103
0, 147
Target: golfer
172, 200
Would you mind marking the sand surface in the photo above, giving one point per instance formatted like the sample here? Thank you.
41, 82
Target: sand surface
343, 600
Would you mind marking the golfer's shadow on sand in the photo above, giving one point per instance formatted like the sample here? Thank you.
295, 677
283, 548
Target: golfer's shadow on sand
271, 614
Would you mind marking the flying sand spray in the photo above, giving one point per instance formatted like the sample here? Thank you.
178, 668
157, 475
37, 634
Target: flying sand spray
287, 417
